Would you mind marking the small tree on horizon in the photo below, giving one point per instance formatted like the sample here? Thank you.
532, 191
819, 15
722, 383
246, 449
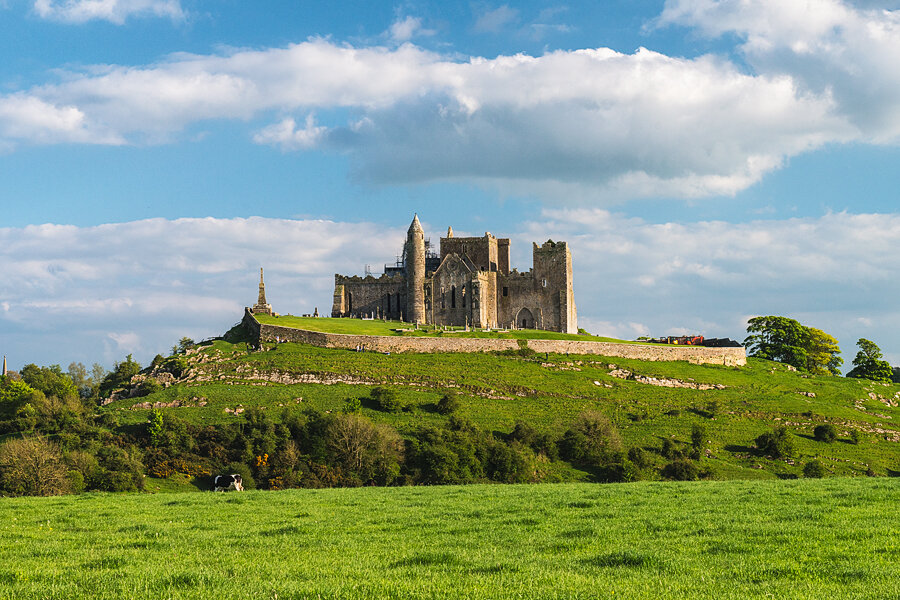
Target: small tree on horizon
868, 363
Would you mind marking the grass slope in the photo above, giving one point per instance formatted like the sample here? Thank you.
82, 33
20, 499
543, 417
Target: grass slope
550, 391
834, 538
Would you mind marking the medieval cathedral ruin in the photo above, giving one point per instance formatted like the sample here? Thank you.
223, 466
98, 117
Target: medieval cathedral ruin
469, 283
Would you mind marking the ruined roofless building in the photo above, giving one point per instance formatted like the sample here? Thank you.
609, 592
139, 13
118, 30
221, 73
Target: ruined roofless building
468, 283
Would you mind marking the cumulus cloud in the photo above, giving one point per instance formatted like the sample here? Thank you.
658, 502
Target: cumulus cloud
616, 125
114, 11
836, 272
96, 293
829, 47
590, 125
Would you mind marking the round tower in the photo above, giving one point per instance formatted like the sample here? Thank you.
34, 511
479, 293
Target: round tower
415, 272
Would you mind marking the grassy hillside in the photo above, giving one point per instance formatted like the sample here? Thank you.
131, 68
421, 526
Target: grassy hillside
834, 538
549, 391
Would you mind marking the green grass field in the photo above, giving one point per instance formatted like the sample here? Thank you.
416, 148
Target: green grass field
550, 391
395, 328
832, 538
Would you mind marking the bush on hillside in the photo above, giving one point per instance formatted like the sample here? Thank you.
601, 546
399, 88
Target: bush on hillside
681, 470
387, 399
448, 404
814, 469
778, 443
825, 433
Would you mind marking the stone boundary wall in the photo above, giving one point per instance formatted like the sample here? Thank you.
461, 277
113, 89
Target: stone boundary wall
382, 343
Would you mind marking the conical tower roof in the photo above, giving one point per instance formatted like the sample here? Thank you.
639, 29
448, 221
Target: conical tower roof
415, 226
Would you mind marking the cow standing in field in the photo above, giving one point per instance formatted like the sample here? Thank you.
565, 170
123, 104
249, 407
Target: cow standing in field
223, 483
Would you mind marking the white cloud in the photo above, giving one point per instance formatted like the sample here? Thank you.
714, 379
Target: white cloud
286, 134
68, 291
592, 125
404, 30
114, 11
492, 21
96, 293
827, 46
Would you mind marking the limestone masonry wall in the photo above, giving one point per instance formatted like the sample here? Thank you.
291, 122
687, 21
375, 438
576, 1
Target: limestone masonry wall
378, 343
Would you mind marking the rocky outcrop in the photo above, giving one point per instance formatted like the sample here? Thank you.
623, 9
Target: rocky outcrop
663, 382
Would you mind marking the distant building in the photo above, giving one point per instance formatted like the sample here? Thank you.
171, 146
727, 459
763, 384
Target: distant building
468, 283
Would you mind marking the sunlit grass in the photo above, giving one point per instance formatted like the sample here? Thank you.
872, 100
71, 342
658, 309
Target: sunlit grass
835, 538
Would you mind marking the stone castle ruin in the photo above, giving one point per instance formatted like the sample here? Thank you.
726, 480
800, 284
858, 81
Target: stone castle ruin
469, 283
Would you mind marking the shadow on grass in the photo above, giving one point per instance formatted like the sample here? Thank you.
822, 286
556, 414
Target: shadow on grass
734, 448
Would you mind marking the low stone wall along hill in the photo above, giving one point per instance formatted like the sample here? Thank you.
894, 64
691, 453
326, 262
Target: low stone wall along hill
378, 343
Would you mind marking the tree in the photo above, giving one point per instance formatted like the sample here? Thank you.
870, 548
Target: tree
822, 353
868, 363
120, 376
32, 466
788, 341
183, 345
778, 443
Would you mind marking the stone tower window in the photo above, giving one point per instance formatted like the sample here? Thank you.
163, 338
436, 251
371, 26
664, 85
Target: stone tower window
544, 282
464, 296
453, 296
505, 291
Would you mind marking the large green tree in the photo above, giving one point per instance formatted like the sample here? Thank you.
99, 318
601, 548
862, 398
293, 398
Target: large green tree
868, 363
786, 340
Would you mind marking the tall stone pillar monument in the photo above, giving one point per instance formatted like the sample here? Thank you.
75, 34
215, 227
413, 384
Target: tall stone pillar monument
262, 307
415, 272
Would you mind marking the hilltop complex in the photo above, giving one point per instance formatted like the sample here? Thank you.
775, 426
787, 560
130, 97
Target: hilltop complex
468, 284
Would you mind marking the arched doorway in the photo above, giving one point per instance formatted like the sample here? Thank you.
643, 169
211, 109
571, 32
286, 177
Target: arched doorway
525, 320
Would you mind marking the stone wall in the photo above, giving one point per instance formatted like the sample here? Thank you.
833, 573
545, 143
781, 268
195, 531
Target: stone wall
692, 354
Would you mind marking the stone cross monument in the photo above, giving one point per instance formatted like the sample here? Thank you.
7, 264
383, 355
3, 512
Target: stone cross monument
262, 307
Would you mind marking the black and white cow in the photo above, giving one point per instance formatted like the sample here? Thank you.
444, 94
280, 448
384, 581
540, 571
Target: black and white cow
223, 483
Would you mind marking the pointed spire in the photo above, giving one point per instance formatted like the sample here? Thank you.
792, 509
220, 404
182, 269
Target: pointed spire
262, 307
4, 365
415, 226
450, 232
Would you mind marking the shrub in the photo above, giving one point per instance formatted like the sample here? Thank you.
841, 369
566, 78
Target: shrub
778, 443
855, 436
814, 469
698, 436
638, 457
352, 405
387, 399
825, 433
448, 404
33, 466
681, 470
671, 450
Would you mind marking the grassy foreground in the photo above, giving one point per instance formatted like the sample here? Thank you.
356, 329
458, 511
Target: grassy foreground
787, 539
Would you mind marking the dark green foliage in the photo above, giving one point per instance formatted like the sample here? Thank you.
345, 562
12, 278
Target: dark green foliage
672, 450
681, 470
120, 376
387, 399
786, 340
176, 365
638, 457
825, 433
448, 404
49, 380
698, 437
183, 345
868, 364
778, 443
814, 469
855, 436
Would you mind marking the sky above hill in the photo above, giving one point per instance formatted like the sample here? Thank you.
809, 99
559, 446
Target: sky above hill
707, 160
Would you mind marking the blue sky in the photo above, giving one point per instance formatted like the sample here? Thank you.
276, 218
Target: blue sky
707, 160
